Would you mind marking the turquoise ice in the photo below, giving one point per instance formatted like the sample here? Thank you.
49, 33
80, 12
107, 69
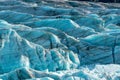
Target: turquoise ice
59, 40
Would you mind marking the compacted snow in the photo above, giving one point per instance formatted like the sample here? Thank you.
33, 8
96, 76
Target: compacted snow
59, 40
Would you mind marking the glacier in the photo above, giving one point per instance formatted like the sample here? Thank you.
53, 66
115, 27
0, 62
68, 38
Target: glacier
59, 40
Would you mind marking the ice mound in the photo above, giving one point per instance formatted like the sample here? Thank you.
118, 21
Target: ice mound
59, 40
32, 55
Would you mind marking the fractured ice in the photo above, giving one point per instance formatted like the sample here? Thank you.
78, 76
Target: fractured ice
59, 40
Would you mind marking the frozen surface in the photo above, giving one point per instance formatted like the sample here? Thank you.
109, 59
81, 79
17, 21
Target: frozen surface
59, 40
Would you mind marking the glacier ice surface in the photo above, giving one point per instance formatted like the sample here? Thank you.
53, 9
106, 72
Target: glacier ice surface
59, 40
